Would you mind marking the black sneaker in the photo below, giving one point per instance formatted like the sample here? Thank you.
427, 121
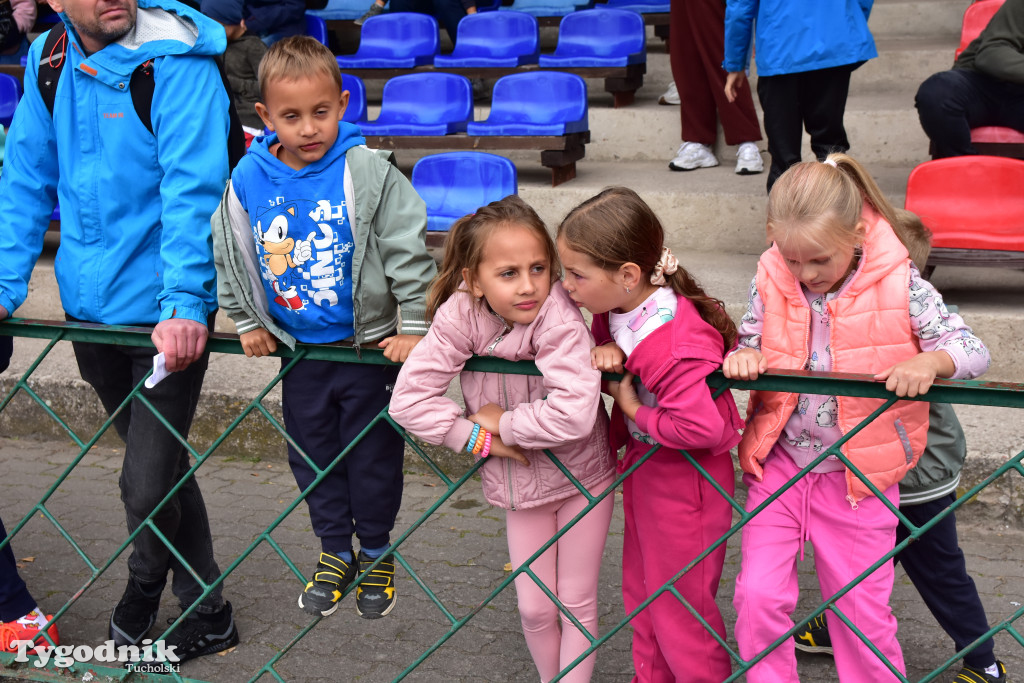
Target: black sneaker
375, 594
814, 637
970, 674
135, 614
332, 576
203, 635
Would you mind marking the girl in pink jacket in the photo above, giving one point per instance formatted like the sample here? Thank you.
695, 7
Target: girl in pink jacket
654, 320
495, 297
835, 292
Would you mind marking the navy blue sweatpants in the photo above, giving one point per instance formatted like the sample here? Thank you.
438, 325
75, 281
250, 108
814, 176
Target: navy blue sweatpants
326, 406
936, 567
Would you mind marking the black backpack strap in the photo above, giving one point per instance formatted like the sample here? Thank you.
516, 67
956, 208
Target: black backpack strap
51, 62
142, 84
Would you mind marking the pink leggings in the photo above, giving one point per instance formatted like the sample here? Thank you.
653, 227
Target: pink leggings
569, 569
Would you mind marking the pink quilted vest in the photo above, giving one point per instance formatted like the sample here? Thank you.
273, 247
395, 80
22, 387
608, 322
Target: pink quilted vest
870, 332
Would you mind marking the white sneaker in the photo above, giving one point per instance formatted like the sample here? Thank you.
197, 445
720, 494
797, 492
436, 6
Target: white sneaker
748, 159
670, 96
693, 155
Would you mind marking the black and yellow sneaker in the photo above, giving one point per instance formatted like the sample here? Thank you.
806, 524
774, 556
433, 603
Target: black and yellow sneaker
332, 576
375, 594
814, 636
972, 674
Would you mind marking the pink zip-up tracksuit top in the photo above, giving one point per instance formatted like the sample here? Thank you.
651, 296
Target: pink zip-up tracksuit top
673, 362
560, 410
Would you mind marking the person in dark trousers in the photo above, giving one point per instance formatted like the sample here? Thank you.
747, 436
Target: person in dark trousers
273, 20
447, 12
804, 63
985, 87
135, 250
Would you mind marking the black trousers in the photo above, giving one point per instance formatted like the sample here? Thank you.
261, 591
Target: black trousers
952, 102
326, 405
815, 100
15, 600
154, 461
936, 567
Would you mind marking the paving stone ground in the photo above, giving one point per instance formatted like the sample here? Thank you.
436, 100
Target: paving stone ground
460, 553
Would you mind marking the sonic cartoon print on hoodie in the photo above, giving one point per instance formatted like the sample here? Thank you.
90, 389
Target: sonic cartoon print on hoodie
302, 254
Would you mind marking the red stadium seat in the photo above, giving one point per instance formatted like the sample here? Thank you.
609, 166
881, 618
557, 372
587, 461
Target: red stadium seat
974, 206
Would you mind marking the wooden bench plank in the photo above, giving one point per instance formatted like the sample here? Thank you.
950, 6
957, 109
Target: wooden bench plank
621, 81
557, 152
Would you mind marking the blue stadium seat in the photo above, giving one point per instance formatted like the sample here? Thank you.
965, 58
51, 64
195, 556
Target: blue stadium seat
316, 28
549, 8
341, 10
10, 93
536, 103
431, 103
608, 37
642, 6
454, 184
494, 39
355, 112
397, 40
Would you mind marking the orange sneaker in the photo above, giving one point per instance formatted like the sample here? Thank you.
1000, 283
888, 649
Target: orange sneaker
26, 628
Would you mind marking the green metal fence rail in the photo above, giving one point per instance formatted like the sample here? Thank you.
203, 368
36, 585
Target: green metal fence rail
956, 392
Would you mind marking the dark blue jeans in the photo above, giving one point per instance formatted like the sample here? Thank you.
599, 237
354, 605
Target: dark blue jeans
936, 567
952, 102
154, 461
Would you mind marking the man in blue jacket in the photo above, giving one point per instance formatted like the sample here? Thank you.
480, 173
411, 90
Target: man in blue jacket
135, 250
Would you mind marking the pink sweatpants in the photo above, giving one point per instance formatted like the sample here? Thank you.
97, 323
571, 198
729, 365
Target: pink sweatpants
672, 516
846, 542
569, 568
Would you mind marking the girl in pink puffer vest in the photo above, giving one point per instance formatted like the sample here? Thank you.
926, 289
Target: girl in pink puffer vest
497, 295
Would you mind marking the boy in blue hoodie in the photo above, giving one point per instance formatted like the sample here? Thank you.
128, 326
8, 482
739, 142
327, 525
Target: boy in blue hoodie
319, 239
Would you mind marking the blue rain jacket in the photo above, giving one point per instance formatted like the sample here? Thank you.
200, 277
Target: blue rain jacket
797, 35
136, 246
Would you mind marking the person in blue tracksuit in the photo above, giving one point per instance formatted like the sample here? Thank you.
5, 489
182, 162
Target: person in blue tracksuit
135, 250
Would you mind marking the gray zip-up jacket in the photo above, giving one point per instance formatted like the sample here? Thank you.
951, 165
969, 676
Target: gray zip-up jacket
390, 264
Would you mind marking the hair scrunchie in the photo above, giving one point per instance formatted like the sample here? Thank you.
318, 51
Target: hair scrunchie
830, 162
666, 265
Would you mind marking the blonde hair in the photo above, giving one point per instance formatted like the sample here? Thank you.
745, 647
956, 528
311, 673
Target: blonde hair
297, 57
468, 236
820, 203
615, 227
915, 235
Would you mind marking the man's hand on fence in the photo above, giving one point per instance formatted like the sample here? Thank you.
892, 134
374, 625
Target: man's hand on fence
745, 364
398, 347
3, 313
258, 342
181, 341
915, 376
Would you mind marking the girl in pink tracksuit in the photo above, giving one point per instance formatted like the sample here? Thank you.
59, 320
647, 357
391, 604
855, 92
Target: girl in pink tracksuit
653, 319
495, 296
836, 292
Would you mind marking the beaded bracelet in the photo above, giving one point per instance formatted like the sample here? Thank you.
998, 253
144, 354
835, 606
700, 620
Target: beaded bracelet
478, 446
472, 438
487, 446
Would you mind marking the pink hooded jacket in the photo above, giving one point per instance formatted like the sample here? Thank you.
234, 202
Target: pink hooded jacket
560, 410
